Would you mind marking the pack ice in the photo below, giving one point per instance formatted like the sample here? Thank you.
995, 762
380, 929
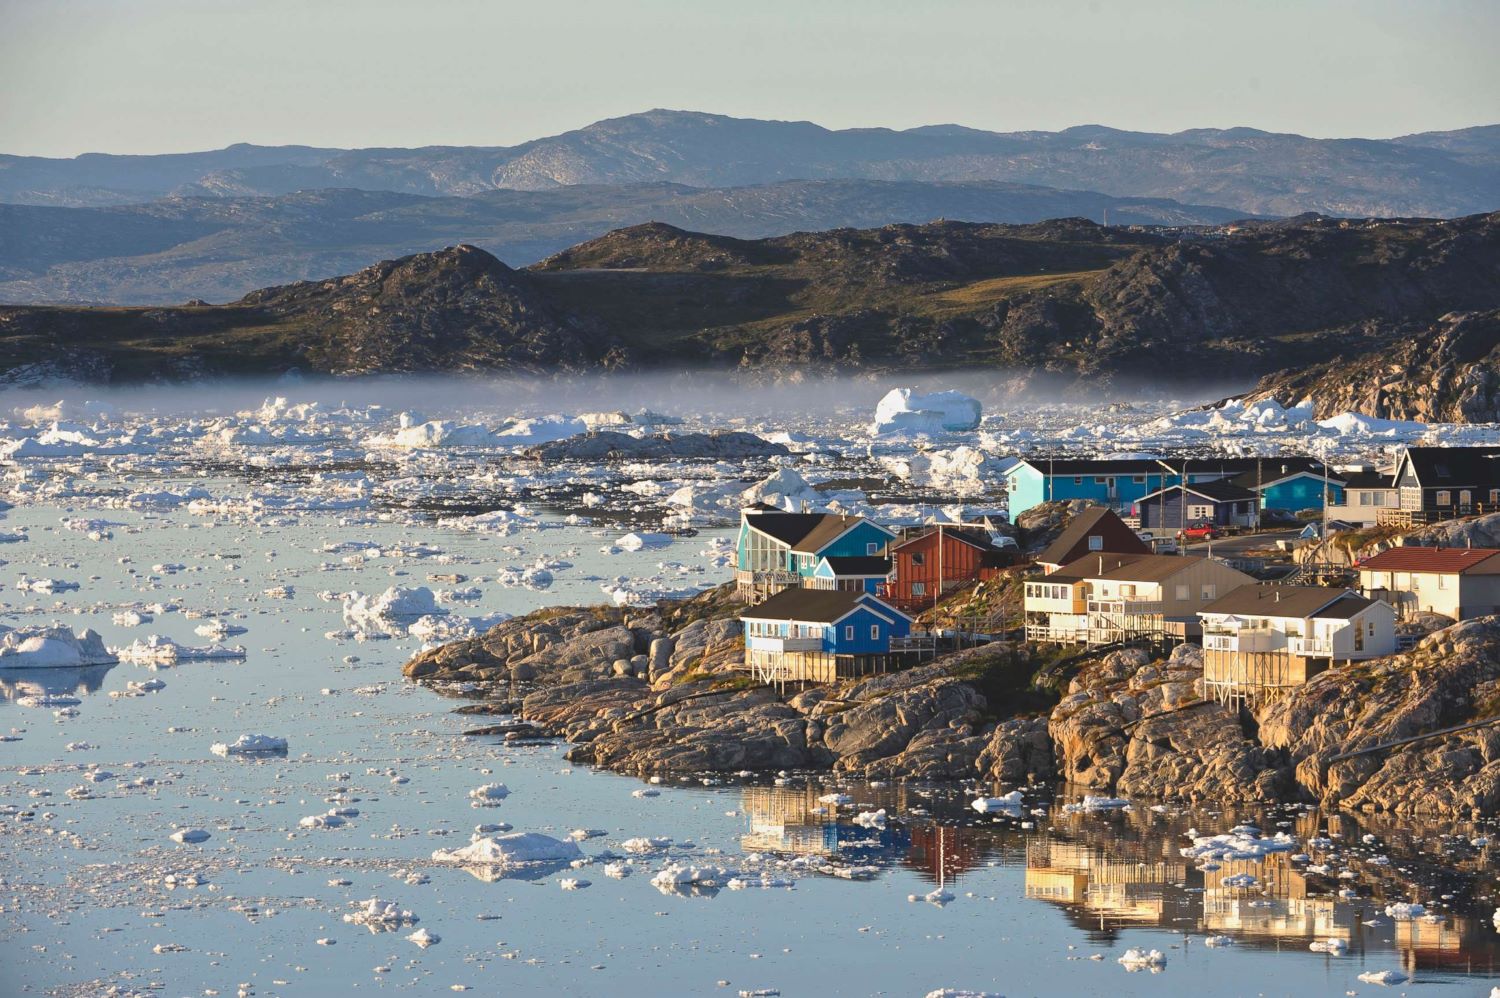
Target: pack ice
55, 647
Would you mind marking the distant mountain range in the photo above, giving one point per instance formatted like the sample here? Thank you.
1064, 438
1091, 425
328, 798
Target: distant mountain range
218, 249
1243, 169
1067, 297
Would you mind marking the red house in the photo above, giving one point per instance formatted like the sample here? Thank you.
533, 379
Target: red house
936, 561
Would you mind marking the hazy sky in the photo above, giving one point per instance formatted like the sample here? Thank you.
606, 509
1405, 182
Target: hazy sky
174, 75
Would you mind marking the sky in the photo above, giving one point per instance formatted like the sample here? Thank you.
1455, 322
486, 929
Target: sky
144, 76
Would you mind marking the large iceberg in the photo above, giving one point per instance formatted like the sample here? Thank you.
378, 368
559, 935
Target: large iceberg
51, 648
903, 410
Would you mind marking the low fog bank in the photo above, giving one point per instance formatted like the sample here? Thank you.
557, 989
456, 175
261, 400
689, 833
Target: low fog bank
716, 394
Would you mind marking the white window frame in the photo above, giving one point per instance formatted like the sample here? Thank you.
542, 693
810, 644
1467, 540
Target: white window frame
848, 632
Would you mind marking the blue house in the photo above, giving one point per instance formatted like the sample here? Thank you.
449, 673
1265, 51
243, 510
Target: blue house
823, 635
1121, 483
857, 573
776, 550
1283, 486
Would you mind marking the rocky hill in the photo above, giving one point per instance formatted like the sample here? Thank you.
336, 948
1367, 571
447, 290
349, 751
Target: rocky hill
219, 248
455, 310
1444, 371
1067, 297
1244, 169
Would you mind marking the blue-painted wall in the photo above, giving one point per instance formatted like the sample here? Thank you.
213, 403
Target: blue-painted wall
862, 643
1027, 487
1301, 492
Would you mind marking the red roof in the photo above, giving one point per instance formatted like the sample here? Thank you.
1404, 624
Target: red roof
1445, 561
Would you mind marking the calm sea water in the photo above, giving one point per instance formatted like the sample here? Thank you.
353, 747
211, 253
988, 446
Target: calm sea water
85, 905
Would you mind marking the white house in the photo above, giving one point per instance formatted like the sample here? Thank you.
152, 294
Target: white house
1455, 582
1104, 598
1260, 639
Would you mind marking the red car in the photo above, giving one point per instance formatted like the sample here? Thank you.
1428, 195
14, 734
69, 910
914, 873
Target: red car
1200, 531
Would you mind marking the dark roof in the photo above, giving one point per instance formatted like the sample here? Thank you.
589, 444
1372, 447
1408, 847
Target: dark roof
1099, 521
864, 565
1289, 601
1444, 561
1124, 567
1220, 491
825, 532
1366, 480
1443, 466
815, 606
1274, 470
1227, 467
788, 528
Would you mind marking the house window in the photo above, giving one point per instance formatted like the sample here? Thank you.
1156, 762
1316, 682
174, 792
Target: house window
1096, 543
1372, 628
1465, 498
1196, 512
1495, 496
1210, 591
918, 558
1182, 593
1442, 581
848, 632
919, 589
1138, 479
1444, 498
872, 549
1077, 479
874, 632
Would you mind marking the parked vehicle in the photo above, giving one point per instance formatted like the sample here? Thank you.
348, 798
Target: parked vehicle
1200, 531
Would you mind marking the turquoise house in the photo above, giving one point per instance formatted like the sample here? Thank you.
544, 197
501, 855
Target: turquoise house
1301, 489
776, 550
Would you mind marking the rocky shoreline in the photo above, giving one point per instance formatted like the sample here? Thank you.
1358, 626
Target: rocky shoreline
660, 692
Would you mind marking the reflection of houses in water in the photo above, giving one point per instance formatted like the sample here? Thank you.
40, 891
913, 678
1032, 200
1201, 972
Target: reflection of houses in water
940, 853
1110, 890
784, 820
17, 683
1277, 905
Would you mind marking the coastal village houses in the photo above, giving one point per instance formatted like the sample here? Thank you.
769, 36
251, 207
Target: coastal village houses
937, 560
1456, 582
1440, 483
1258, 640
823, 635
1096, 530
1120, 483
1221, 503
1365, 496
777, 550
1109, 598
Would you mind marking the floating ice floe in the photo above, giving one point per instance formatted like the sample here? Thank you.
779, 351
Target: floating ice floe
190, 836
424, 939
905, 410
643, 540
1093, 802
1383, 977
396, 603
489, 795
1243, 842
250, 744
380, 915
1401, 911
510, 852
1333, 947
1140, 959
1009, 803
55, 647
26, 584
155, 649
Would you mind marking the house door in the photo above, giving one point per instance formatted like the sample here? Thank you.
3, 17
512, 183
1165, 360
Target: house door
1359, 637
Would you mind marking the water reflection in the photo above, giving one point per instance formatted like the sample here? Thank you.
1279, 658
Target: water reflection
19, 686
1109, 872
